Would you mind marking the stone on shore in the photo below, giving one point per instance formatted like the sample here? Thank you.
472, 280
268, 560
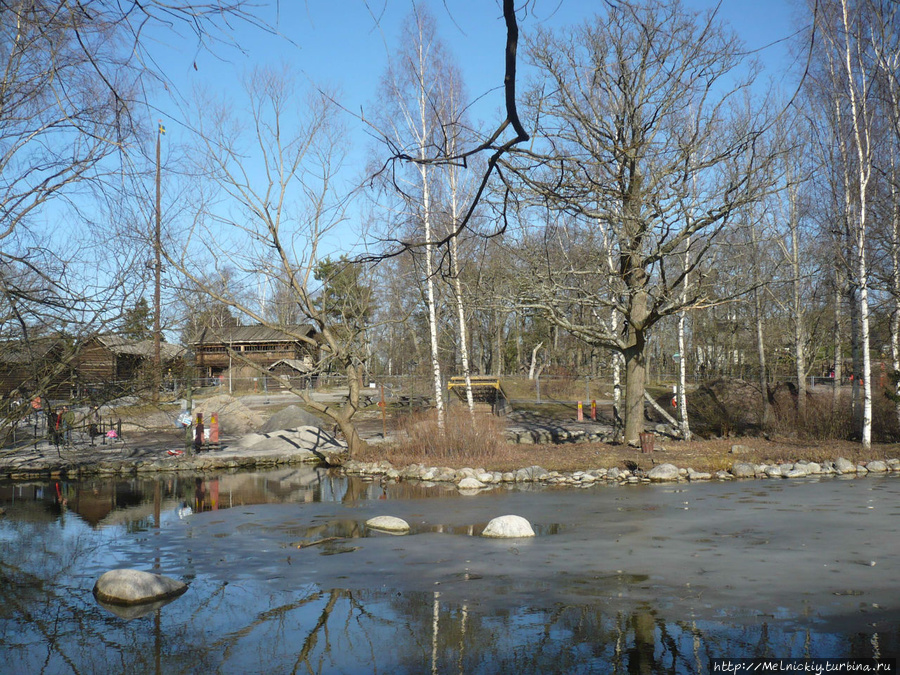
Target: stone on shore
134, 587
743, 470
844, 465
388, 524
876, 466
663, 472
508, 527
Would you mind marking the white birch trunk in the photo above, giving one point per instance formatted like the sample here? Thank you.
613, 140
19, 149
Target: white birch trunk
682, 381
457, 286
616, 369
797, 310
429, 246
895, 284
859, 118
682, 353
838, 344
430, 301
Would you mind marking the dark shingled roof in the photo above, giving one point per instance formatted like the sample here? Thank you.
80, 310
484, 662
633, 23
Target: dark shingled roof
257, 333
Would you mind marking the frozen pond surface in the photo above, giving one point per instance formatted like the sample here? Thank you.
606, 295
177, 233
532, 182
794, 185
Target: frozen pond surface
284, 577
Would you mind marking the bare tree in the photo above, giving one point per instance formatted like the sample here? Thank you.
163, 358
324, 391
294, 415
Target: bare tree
849, 76
637, 107
276, 199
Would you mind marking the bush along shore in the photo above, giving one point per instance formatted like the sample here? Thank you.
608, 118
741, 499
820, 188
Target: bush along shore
475, 479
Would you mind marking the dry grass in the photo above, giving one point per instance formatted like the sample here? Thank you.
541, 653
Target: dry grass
482, 444
463, 441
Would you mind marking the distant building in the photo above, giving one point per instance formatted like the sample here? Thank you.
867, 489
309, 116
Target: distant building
110, 358
63, 367
231, 347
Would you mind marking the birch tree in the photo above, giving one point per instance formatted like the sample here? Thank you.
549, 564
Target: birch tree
409, 120
848, 65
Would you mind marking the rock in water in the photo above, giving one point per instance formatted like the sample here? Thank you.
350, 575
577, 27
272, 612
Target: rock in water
133, 587
508, 527
470, 483
388, 524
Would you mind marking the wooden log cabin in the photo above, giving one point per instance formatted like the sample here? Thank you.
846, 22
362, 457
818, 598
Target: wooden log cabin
105, 359
62, 367
231, 347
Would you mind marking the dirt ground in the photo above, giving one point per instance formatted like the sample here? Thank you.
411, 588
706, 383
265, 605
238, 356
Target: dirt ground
486, 447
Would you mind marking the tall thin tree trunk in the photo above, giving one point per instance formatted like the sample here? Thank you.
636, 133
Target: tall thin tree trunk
797, 311
860, 120
616, 369
424, 116
764, 408
682, 353
461, 318
838, 337
430, 301
895, 283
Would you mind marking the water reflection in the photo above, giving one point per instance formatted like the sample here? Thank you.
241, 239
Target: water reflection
279, 582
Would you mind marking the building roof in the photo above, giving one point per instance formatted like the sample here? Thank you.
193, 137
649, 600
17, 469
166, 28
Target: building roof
144, 348
26, 352
297, 364
257, 333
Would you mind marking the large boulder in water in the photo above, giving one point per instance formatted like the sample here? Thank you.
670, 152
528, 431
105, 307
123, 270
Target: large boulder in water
508, 527
388, 524
134, 587
291, 417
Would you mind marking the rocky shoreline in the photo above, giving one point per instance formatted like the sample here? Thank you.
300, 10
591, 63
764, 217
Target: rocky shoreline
263, 452
476, 479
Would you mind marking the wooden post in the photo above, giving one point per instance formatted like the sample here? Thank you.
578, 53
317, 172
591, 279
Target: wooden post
383, 414
214, 429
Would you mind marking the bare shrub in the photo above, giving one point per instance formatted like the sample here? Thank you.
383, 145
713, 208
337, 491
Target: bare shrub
828, 417
465, 439
885, 427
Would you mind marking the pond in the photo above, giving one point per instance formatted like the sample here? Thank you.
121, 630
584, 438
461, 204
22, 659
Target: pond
284, 577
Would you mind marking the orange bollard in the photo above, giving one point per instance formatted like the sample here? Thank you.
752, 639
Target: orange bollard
580, 412
594, 410
214, 429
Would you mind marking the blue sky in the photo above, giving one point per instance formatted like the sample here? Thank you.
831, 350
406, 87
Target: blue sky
344, 45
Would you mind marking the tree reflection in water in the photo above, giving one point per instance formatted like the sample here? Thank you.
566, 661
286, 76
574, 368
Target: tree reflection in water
54, 544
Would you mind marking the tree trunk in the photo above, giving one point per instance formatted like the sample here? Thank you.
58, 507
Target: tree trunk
534, 352
463, 333
838, 342
895, 284
764, 408
684, 423
635, 373
432, 309
798, 314
616, 371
